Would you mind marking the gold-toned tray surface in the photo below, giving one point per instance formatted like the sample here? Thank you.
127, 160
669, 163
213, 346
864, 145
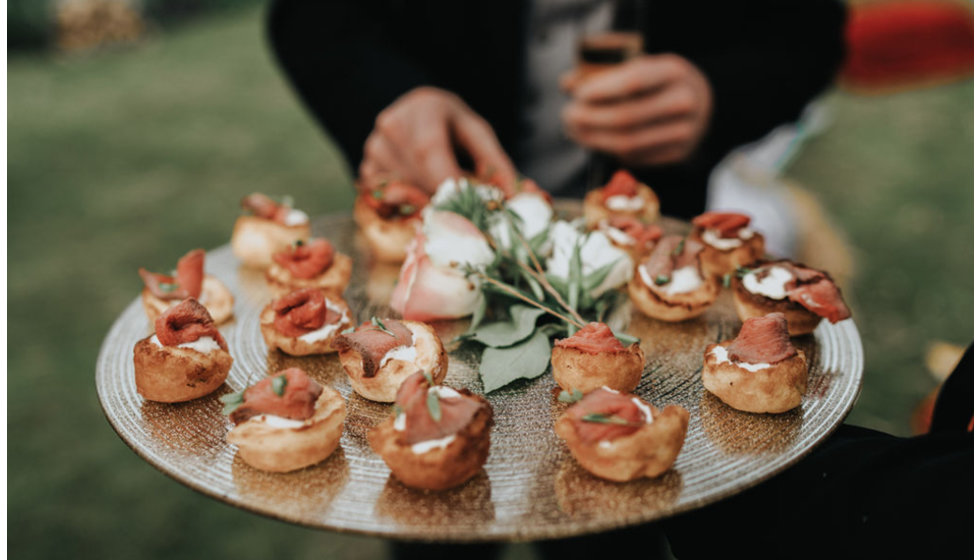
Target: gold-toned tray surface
531, 487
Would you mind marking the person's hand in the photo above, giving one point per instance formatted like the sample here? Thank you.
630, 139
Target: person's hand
650, 110
414, 140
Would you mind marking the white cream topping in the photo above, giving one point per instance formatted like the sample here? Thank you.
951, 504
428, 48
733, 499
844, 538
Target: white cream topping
426, 446
721, 353
295, 218
400, 422
444, 392
647, 413
204, 345
618, 236
623, 203
406, 352
274, 421
713, 237
605, 444
773, 285
327, 329
682, 281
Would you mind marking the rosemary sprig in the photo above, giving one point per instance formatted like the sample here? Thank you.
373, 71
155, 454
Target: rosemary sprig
432, 402
279, 385
605, 418
507, 289
378, 324
232, 401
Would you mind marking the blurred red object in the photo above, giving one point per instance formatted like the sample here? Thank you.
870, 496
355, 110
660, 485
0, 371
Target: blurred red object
898, 45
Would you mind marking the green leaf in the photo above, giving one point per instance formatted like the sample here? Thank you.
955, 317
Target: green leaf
558, 284
505, 333
595, 278
432, 401
604, 418
397, 410
572, 397
678, 249
428, 377
381, 326
232, 401
626, 339
726, 280
478, 314
742, 271
661, 279
279, 385
168, 287
527, 359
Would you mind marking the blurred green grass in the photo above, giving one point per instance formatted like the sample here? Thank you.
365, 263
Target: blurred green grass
126, 158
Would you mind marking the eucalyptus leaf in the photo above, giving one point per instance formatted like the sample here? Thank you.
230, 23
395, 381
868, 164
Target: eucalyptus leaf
506, 333
232, 401
527, 359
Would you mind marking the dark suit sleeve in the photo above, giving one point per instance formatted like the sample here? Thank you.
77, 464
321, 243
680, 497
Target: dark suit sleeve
337, 57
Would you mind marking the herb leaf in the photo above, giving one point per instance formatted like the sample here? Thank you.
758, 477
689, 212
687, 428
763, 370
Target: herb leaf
232, 402
678, 249
168, 286
518, 327
279, 385
428, 377
661, 279
572, 397
379, 324
726, 280
605, 418
742, 271
432, 402
527, 359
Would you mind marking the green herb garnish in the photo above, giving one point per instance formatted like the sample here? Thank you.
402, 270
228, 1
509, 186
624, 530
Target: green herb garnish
604, 418
298, 243
377, 194
432, 401
679, 249
397, 410
407, 209
726, 280
378, 324
661, 279
428, 377
279, 385
742, 271
572, 397
168, 287
232, 401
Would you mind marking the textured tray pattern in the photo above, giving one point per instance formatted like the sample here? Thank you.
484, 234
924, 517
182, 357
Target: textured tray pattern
531, 487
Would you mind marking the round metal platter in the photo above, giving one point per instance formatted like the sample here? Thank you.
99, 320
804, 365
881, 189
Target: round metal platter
531, 487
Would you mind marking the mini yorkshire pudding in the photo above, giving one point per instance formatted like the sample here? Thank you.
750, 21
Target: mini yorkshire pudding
309, 265
758, 371
623, 196
388, 215
593, 357
437, 438
619, 437
270, 228
803, 295
382, 353
160, 291
670, 285
285, 422
304, 322
728, 241
185, 359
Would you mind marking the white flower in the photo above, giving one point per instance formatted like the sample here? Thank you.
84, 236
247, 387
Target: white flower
596, 252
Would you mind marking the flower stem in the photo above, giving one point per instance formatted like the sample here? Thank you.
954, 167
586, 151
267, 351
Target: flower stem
510, 290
